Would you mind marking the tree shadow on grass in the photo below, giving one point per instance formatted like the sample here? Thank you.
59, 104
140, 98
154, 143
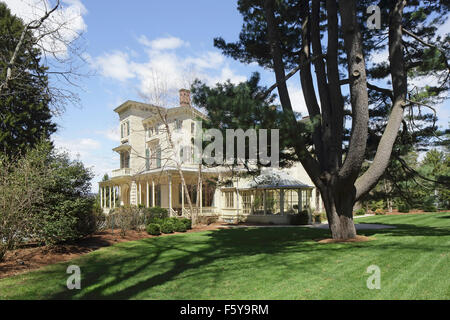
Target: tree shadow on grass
138, 267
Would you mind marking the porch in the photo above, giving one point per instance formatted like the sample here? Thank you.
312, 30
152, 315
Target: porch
160, 189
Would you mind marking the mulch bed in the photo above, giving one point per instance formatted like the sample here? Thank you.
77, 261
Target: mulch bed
32, 257
357, 239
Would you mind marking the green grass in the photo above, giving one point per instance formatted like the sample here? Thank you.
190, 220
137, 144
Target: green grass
252, 263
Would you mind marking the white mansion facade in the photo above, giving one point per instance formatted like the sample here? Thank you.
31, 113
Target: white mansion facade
151, 160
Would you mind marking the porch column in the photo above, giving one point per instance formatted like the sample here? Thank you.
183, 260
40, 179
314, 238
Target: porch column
104, 198
300, 209
147, 189
252, 202
120, 196
110, 197
281, 201
153, 193
170, 194
101, 196
114, 196
140, 194
264, 200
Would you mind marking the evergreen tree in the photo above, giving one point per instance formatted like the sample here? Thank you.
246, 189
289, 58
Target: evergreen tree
25, 116
293, 34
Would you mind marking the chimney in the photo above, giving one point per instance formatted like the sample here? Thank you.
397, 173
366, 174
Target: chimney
185, 98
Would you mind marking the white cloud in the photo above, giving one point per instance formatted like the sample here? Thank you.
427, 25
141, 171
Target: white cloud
114, 65
67, 20
160, 44
77, 148
111, 133
175, 70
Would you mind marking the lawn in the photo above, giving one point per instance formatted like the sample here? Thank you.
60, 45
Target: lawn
258, 263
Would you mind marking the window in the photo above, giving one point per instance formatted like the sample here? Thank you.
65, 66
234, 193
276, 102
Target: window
128, 127
157, 129
192, 128
158, 157
181, 155
121, 130
147, 159
178, 124
247, 202
229, 199
124, 160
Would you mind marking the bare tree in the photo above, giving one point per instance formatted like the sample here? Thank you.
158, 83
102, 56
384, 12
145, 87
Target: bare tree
62, 53
159, 94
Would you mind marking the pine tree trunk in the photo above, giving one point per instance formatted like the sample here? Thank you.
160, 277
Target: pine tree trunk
340, 214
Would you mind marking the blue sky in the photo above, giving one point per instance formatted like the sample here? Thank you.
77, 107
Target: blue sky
126, 42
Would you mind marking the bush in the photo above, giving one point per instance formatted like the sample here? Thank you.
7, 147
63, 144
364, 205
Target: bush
21, 190
428, 205
300, 219
154, 213
179, 226
403, 208
360, 212
317, 218
374, 205
154, 229
187, 222
167, 227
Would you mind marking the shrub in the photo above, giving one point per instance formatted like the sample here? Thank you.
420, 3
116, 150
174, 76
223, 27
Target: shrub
428, 205
155, 213
187, 222
317, 218
179, 226
167, 227
21, 190
360, 212
380, 212
300, 219
374, 205
154, 229
403, 208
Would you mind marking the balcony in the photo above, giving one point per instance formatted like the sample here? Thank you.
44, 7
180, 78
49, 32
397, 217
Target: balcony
121, 172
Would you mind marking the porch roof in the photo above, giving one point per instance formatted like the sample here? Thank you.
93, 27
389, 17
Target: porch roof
276, 180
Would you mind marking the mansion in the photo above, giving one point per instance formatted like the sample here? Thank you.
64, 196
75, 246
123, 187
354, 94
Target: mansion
156, 146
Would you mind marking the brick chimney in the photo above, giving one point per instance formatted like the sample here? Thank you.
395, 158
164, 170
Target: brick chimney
185, 98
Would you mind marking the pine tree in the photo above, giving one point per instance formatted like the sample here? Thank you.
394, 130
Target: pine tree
25, 116
291, 36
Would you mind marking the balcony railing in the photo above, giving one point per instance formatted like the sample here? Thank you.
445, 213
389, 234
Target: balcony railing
121, 172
